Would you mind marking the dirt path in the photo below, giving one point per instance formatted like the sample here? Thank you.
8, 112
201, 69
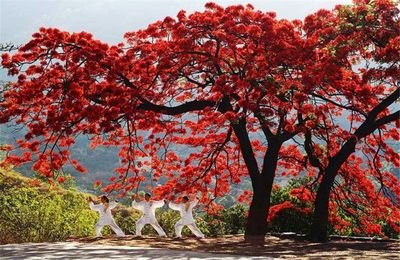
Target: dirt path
273, 247
76, 250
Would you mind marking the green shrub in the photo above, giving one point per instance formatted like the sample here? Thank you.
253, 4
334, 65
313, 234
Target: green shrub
35, 214
212, 225
389, 231
291, 220
230, 221
234, 219
126, 219
167, 220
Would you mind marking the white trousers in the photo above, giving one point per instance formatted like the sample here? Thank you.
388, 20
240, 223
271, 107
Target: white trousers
192, 226
143, 221
113, 226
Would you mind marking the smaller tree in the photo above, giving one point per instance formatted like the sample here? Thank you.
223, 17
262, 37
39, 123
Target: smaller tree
364, 41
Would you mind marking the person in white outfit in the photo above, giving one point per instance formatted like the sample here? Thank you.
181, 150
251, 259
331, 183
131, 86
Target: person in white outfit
185, 209
148, 207
104, 208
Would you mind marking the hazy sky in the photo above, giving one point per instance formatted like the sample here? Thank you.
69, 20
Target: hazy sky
108, 20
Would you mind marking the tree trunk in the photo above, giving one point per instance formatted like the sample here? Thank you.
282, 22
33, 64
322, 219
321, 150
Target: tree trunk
262, 182
319, 227
256, 226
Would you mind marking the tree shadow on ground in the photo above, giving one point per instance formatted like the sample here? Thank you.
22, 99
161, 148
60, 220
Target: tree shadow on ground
75, 250
273, 246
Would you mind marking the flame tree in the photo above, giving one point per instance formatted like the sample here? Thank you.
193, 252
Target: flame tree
364, 40
229, 85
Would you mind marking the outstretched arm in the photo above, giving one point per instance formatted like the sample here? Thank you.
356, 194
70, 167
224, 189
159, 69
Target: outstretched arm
93, 206
173, 206
158, 203
194, 203
136, 204
112, 204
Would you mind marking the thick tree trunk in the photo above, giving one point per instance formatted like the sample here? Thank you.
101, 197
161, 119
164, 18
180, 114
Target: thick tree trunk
256, 227
319, 227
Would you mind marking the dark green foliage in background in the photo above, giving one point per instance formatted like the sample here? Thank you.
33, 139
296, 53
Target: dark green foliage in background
290, 220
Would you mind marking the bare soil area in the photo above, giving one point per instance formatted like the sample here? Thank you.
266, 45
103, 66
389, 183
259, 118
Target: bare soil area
273, 247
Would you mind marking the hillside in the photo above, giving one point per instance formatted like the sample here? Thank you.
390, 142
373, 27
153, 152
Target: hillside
31, 211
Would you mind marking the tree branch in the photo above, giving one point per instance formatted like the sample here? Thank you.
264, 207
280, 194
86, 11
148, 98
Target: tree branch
384, 104
183, 108
387, 119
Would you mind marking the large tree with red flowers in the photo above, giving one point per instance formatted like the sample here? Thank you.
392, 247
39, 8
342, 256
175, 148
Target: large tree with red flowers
229, 85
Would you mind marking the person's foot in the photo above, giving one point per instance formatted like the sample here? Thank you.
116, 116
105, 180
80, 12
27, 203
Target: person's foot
137, 236
163, 236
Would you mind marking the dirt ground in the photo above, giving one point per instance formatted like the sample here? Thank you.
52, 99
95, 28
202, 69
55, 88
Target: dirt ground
273, 247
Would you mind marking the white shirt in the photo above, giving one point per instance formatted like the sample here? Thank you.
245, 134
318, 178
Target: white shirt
186, 215
105, 215
148, 208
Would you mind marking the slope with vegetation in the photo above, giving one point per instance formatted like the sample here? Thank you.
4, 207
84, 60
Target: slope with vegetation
31, 211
